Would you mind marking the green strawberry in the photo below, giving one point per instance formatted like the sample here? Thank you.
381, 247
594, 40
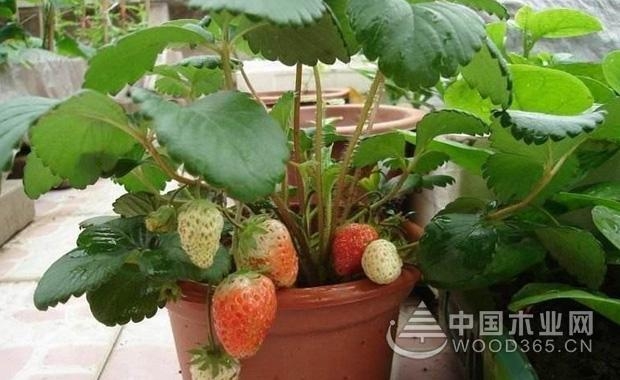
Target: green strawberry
381, 262
200, 225
161, 221
213, 364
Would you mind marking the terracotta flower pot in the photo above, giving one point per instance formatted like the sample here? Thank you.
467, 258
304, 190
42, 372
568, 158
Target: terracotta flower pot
387, 119
328, 332
307, 97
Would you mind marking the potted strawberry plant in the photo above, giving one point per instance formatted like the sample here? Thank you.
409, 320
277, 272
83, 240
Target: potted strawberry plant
546, 243
266, 248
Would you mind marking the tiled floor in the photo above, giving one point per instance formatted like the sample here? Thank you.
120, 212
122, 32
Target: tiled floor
66, 343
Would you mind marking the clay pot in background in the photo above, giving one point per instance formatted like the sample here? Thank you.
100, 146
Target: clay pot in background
327, 332
307, 97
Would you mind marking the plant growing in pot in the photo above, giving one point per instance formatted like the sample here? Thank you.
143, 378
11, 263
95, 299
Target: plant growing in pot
243, 260
550, 233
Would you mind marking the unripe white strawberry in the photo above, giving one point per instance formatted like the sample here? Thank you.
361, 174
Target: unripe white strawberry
200, 225
213, 364
381, 262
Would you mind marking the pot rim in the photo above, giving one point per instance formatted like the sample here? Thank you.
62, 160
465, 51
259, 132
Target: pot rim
272, 97
319, 296
408, 118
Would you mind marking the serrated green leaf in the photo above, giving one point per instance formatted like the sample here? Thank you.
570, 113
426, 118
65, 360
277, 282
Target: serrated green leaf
599, 90
459, 95
169, 262
136, 204
127, 296
461, 251
16, 117
74, 274
194, 136
582, 69
536, 293
146, 177
282, 111
540, 89
279, 12
322, 41
488, 73
497, 32
172, 87
339, 11
377, 148
556, 22
429, 161
448, 121
611, 69
132, 56
607, 221
93, 120
38, 179
610, 129
417, 43
575, 201
537, 128
468, 157
431, 181
492, 7
502, 170
578, 252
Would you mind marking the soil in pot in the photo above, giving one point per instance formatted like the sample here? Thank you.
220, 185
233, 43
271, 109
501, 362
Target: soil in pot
329, 332
602, 362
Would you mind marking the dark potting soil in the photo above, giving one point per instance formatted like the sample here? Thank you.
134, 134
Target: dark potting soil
601, 363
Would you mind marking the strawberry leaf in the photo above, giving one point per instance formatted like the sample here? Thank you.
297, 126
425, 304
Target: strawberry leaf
463, 251
193, 135
278, 12
537, 128
578, 252
95, 121
417, 43
127, 60
16, 117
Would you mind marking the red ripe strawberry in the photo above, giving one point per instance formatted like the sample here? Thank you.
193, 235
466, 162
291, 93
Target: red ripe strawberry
265, 246
348, 245
243, 309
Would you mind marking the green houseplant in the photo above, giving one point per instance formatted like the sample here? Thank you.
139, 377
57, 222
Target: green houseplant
551, 164
238, 165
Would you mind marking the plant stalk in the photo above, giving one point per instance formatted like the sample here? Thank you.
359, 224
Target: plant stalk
297, 152
538, 188
318, 156
346, 161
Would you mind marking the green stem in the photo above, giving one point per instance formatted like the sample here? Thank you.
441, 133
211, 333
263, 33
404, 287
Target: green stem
353, 140
401, 181
318, 156
210, 321
349, 200
225, 52
536, 190
297, 151
248, 83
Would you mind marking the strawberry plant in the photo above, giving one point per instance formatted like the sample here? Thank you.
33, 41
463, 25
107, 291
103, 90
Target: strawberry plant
222, 191
551, 225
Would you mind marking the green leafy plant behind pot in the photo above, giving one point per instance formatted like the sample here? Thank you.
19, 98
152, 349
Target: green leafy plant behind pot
554, 217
